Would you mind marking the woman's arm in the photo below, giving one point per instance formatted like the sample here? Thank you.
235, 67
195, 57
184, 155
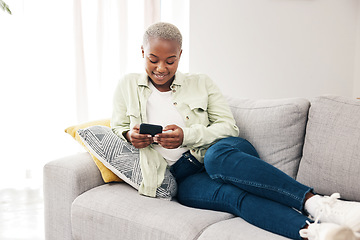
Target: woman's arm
120, 121
209, 117
123, 111
221, 120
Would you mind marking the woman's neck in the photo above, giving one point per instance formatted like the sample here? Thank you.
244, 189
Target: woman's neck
164, 87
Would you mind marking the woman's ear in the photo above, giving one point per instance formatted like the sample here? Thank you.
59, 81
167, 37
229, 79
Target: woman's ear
142, 50
180, 53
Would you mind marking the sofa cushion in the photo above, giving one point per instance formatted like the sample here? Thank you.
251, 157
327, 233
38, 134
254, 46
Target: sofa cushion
331, 158
239, 229
106, 174
276, 128
117, 211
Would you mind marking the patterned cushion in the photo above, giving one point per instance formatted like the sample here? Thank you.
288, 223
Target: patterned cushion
106, 174
122, 158
331, 159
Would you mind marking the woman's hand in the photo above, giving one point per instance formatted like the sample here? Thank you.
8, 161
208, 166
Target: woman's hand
138, 140
171, 137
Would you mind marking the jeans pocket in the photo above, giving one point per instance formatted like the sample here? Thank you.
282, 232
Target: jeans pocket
186, 165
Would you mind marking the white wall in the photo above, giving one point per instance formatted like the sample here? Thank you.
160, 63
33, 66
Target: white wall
177, 12
276, 48
357, 58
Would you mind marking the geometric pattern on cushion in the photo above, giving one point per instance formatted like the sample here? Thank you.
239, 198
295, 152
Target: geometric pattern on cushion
106, 174
122, 158
331, 158
275, 127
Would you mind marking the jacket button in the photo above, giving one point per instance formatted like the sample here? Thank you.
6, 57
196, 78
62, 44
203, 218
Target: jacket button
175, 103
187, 117
173, 90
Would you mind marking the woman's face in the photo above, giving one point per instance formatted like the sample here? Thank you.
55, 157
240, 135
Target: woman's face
161, 61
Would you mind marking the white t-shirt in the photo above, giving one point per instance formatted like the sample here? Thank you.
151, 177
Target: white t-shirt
160, 110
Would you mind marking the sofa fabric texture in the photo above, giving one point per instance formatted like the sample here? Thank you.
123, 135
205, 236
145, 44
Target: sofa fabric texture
117, 211
331, 160
64, 180
237, 228
276, 128
319, 148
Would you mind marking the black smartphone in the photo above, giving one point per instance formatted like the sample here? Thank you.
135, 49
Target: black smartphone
151, 129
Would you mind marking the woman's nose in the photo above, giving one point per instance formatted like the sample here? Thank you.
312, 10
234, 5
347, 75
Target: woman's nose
161, 67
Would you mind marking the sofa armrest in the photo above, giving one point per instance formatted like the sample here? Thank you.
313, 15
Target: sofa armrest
64, 180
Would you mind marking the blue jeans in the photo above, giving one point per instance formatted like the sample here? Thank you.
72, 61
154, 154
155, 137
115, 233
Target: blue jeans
237, 181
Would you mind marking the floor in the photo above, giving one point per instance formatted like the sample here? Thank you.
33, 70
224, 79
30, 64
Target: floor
21, 214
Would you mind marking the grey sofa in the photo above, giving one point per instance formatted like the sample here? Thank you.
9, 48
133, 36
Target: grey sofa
316, 142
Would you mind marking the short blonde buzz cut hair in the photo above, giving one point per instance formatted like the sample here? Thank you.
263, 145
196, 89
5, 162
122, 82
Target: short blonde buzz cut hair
162, 30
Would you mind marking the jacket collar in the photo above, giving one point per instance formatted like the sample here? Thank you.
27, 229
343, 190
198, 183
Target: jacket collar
179, 78
143, 80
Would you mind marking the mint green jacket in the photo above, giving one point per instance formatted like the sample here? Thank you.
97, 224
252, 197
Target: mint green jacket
206, 114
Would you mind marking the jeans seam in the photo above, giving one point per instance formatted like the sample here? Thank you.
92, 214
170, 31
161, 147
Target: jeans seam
255, 185
233, 144
236, 143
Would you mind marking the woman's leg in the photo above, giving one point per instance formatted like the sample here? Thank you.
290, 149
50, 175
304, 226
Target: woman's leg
200, 191
235, 161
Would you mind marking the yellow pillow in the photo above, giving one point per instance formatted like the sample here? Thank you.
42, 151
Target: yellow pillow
107, 175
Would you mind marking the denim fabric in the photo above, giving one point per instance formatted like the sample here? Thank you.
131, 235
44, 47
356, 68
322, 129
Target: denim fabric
237, 181
186, 165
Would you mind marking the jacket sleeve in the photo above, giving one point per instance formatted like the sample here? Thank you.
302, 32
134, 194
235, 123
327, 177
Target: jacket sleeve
120, 121
221, 121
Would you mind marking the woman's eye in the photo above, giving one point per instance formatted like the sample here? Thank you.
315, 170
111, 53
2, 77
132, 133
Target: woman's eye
152, 61
170, 63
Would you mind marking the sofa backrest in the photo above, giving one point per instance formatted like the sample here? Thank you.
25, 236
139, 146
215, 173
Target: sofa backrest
331, 156
276, 128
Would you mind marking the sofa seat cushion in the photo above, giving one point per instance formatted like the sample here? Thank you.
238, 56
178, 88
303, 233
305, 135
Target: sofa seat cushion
276, 128
331, 159
117, 211
237, 229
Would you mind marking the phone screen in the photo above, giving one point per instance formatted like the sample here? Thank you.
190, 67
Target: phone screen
151, 129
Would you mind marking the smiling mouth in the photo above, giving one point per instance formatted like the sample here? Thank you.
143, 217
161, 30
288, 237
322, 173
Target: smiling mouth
160, 76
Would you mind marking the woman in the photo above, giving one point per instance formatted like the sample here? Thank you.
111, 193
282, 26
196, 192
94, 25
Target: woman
199, 128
